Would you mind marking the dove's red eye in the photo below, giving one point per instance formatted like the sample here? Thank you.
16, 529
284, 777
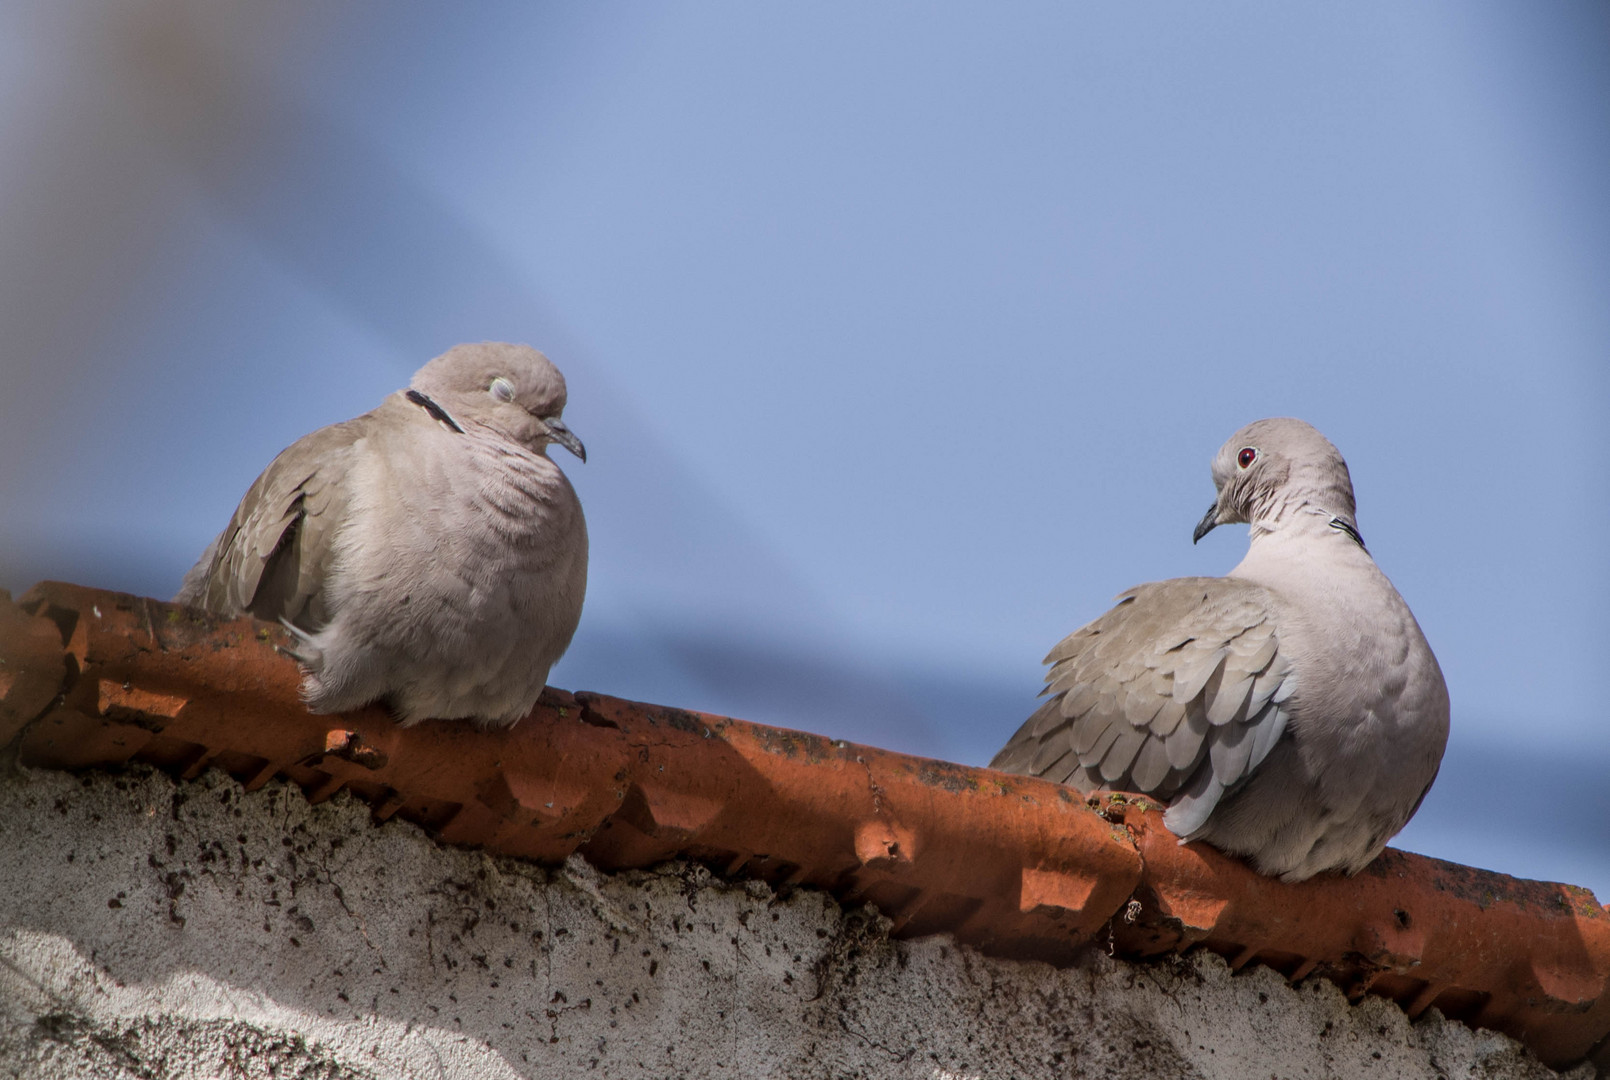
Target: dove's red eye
1246, 457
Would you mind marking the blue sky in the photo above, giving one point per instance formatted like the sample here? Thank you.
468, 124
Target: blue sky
900, 336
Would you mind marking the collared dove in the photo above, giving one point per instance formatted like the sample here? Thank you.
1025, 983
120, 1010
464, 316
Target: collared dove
1291, 713
427, 554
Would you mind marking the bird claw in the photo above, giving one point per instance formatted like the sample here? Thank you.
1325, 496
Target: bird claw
302, 640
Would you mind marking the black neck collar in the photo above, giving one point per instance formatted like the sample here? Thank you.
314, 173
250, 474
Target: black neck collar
441, 414
1341, 526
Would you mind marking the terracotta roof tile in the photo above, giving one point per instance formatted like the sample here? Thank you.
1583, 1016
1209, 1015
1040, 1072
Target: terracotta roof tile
1013, 865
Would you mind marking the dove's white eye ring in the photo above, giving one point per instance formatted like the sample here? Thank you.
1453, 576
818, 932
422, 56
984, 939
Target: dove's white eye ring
502, 389
1247, 456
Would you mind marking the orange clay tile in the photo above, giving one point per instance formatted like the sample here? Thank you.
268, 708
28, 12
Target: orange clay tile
1015, 866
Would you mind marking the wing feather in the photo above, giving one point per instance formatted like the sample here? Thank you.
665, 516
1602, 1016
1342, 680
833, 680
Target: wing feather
1091, 758
1179, 691
1115, 763
270, 559
1151, 766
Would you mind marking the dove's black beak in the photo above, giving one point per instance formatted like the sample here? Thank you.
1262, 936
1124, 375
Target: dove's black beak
565, 437
1206, 525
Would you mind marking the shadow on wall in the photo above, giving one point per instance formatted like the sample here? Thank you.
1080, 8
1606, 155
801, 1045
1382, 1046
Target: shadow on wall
148, 923
324, 938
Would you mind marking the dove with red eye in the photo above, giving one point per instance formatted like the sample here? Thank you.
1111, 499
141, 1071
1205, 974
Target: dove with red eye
1291, 712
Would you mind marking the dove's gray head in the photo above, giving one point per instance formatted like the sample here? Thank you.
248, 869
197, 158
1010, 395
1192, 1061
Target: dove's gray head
511, 389
1271, 469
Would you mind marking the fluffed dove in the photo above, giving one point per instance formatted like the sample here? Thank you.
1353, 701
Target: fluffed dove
427, 554
1291, 713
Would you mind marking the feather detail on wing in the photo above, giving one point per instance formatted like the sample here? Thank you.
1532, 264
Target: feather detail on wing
267, 561
1178, 692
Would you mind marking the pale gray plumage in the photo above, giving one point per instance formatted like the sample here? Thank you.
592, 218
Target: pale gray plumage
1291, 712
427, 554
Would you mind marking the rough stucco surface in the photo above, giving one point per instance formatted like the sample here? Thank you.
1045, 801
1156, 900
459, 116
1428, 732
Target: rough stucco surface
152, 928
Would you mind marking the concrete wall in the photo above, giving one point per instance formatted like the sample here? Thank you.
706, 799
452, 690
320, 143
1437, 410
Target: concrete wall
156, 929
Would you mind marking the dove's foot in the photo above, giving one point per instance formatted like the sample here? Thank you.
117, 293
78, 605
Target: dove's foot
305, 653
